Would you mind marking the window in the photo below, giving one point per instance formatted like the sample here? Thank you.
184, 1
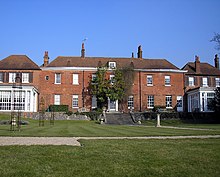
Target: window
150, 101
112, 65
210, 97
75, 79
169, 101
217, 82
57, 99
5, 100
191, 81
179, 101
205, 82
112, 78
75, 101
47, 78
1, 77
57, 78
167, 80
131, 102
12, 77
19, 100
25, 77
94, 77
149, 80
94, 102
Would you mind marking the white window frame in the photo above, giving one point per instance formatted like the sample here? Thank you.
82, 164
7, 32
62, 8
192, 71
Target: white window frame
111, 78
112, 64
131, 102
94, 76
75, 79
150, 101
75, 101
56, 99
1, 77
12, 77
149, 80
205, 82
167, 81
94, 101
25, 77
169, 101
191, 81
217, 82
57, 81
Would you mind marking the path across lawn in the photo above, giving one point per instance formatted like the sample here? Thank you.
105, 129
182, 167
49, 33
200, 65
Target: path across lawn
73, 141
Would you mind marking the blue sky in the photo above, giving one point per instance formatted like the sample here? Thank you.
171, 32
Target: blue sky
176, 30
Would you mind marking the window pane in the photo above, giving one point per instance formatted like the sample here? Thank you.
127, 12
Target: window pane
191, 81
204, 81
217, 82
1, 77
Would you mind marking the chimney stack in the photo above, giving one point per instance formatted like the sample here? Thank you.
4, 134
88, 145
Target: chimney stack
83, 51
46, 59
216, 60
197, 64
132, 55
139, 54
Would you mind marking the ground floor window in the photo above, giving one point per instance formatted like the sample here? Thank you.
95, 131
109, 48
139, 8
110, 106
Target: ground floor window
150, 101
19, 100
94, 102
75, 102
168, 101
5, 100
210, 97
131, 102
57, 99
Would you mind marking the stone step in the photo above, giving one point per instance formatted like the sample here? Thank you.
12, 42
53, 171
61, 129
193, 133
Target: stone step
119, 119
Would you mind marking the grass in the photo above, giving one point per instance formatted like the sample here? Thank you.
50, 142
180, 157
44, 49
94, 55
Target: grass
70, 128
164, 158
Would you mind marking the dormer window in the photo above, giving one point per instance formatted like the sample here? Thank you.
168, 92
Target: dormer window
112, 65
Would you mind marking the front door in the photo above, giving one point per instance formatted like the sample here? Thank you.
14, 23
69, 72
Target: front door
112, 105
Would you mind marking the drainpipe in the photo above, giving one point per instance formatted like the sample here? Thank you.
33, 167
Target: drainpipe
140, 96
83, 91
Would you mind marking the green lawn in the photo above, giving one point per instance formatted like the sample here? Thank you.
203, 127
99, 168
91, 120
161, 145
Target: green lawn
118, 158
92, 128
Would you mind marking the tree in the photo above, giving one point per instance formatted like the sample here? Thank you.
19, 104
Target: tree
216, 39
115, 89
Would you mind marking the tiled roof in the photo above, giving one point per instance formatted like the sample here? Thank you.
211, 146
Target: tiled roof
138, 63
18, 62
205, 69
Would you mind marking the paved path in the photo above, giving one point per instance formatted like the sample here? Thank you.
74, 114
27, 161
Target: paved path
73, 141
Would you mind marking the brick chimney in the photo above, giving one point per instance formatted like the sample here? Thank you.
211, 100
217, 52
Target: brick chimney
197, 64
139, 54
83, 51
216, 60
46, 59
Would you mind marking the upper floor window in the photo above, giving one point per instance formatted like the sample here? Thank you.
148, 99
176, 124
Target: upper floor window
205, 82
168, 101
12, 77
75, 79
112, 65
1, 77
217, 82
191, 81
149, 80
25, 77
57, 99
94, 77
57, 78
167, 80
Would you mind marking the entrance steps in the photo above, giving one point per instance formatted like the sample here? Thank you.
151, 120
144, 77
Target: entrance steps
119, 119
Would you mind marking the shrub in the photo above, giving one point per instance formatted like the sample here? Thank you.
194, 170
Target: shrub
58, 108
